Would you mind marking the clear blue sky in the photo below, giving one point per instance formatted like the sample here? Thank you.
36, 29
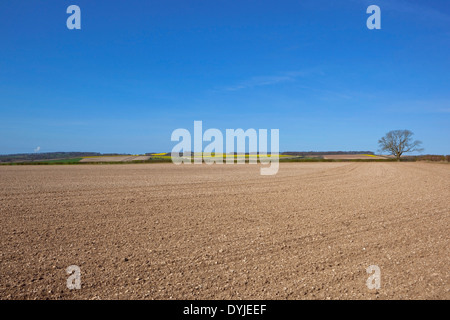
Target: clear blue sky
137, 70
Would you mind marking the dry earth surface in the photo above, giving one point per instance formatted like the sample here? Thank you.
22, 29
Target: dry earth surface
160, 231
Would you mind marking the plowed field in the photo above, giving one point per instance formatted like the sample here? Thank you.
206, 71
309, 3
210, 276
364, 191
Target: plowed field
160, 231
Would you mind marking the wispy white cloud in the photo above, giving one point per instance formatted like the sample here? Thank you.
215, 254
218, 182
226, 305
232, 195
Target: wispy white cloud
259, 81
326, 94
37, 149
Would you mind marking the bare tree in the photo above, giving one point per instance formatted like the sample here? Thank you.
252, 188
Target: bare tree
398, 142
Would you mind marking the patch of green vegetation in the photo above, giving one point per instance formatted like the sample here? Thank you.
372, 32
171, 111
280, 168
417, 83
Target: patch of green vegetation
74, 160
44, 162
36, 157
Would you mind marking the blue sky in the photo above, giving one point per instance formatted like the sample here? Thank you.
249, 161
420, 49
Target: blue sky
137, 70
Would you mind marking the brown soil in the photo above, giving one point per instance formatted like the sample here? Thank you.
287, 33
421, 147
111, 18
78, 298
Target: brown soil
160, 231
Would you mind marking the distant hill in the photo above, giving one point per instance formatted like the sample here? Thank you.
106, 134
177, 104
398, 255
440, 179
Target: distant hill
300, 153
323, 153
22, 157
31, 157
